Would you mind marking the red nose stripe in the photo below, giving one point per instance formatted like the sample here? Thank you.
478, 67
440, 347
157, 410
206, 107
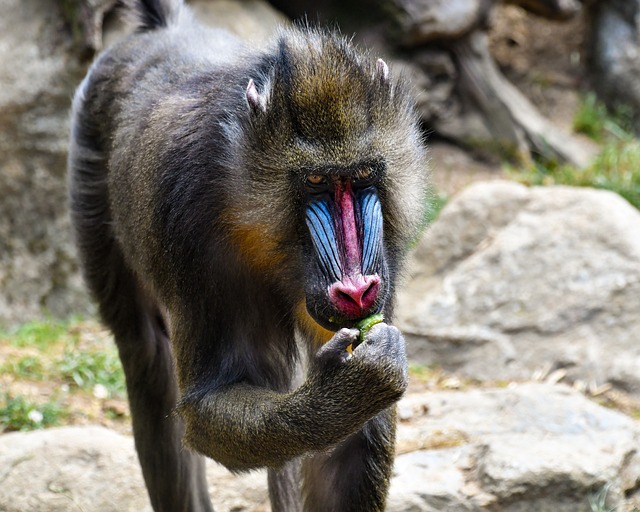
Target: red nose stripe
352, 255
354, 295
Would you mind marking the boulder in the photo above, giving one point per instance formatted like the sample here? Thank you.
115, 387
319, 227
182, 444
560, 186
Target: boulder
93, 468
60, 469
38, 73
526, 448
513, 280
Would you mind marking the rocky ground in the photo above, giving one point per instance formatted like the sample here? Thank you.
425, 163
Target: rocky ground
527, 447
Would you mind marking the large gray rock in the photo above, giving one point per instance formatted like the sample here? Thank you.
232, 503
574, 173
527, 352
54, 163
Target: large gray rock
38, 73
530, 448
95, 469
512, 280
62, 469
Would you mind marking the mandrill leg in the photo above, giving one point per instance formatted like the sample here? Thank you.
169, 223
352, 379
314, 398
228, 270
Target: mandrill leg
355, 475
284, 487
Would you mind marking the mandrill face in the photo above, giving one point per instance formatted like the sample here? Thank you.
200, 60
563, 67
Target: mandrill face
337, 165
345, 222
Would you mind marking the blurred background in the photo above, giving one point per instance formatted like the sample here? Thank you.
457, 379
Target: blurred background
520, 305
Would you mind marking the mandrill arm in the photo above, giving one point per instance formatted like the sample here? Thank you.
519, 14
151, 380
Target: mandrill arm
245, 427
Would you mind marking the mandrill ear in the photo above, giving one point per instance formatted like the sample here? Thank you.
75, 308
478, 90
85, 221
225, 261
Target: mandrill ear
257, 102
382, 71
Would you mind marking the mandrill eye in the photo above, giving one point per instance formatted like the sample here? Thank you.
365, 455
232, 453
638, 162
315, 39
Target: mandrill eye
362, 174
316, 184
315, 179
363, 177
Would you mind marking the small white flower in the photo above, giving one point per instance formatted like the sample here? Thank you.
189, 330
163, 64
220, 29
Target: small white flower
35, 416
100, 391
64, 388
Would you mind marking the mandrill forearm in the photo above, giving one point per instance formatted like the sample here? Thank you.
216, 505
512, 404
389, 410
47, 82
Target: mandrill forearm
240, 428
245, 427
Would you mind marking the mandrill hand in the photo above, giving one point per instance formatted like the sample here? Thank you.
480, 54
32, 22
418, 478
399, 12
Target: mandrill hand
352, 388
383, 351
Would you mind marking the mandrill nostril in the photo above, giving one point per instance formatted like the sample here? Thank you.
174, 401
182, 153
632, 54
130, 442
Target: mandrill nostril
355, 296
370, 293
345, 296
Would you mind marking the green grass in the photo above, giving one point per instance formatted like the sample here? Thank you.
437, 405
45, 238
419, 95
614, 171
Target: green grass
590, 118
598, 501
436, 203
594, 120
24, 367
88, 368
616, 168
76, 359
21, 413
35, 334
56, 352
422, 372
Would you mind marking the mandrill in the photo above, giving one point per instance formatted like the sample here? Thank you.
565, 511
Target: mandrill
238, 212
